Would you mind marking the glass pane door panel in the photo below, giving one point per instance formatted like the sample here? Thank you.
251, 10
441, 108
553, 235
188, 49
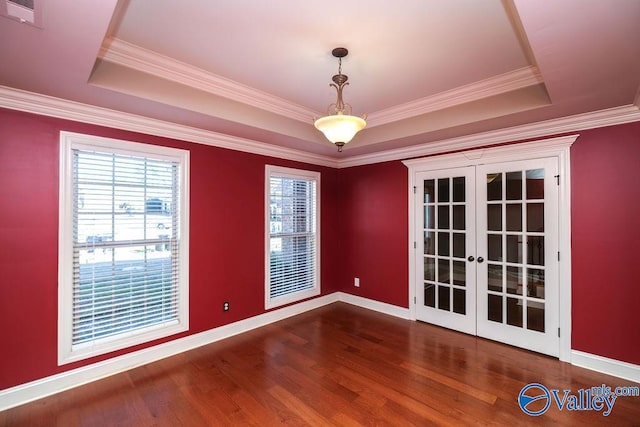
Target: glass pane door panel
429, 295
495, 277
459, 273
514, 248
444, 297
535, 217
514, 280
459, 301
514, 185
459, 245
429, 191
458, 217
429, 269
443, 243
459, 188
443, 190
494, 217
535, 250
429, 217
535, 184
535, 316
514, 217
494, 310
514, 312
494, 186
443, 270
443, 217
535, 283
494, 249
429, 243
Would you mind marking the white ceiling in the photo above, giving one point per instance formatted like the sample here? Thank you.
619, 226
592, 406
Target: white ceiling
422, 70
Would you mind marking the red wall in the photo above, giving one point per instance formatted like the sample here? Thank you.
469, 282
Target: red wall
605, 215
375, 230
364, 234
226, 238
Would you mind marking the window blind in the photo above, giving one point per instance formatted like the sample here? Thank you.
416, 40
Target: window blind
292, 237
125, 244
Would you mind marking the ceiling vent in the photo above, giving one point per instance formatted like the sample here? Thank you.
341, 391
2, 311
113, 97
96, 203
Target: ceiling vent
25, 11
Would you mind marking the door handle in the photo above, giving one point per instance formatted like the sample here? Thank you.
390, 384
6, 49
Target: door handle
480, 260
471, 258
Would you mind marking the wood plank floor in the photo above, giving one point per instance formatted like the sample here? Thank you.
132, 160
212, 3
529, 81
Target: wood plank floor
337, 365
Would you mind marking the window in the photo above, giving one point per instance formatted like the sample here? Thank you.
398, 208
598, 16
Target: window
292, 235
123, 244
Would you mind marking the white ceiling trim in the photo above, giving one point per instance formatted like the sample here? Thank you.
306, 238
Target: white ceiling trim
609, 117
30, 102
128, 55
135, 57
507, 82
548, 147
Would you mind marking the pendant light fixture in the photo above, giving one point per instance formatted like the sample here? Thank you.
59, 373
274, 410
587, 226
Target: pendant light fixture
339, 126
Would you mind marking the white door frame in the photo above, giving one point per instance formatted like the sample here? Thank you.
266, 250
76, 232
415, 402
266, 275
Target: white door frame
552, 147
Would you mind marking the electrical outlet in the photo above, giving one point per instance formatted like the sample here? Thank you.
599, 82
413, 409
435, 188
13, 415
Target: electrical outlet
356, 282
225, 306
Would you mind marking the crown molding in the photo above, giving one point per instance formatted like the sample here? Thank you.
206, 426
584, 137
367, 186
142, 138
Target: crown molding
135, 57
508, 82
128, 55
592, 120
545, 147
16, 99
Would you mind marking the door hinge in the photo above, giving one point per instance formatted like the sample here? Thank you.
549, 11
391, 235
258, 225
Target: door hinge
414, 189
558, 255
414, 300
557, 177
414, 245
558, 332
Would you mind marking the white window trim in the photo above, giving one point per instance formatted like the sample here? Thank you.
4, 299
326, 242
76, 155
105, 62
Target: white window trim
68, 142
551, 147
296, 296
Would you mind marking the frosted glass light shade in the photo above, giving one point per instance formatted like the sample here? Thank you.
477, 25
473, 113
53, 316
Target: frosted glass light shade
340, 127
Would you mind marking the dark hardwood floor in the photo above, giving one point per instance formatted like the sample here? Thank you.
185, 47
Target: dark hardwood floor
337, 365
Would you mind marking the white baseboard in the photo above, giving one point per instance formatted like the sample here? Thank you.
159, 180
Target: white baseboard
374, 305
47, 386
604, 365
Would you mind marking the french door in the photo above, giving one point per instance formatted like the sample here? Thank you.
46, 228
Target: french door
446, 294
487, 262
